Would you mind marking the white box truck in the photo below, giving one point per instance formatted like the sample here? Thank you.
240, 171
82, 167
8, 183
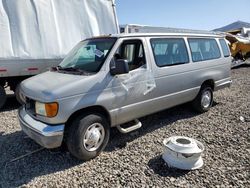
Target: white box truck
37, 34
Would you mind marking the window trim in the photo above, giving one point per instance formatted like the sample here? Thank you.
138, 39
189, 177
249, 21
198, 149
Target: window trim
169, 38
188, 38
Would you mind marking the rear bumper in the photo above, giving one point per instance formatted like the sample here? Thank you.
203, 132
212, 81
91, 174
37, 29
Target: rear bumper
221, 84
48, 136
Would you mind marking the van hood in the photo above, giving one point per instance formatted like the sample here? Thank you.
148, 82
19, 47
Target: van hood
51, 86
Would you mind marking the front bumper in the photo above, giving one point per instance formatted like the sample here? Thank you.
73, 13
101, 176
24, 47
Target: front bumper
48, 136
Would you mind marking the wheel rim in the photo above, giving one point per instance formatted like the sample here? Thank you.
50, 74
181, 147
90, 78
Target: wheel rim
93, 137
206, 99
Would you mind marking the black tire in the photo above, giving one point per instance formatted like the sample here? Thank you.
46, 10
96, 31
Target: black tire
17, 94
3, 96
197, 103
77, 131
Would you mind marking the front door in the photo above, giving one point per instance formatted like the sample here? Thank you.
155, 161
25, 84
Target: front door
131, 90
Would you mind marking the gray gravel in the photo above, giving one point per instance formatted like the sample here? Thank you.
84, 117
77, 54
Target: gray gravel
134, 160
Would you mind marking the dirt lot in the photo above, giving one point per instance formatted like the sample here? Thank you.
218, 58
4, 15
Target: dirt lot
134, 160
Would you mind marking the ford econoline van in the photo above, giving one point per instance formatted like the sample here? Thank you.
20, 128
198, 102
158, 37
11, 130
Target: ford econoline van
107, 81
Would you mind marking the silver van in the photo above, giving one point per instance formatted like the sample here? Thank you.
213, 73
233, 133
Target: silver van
107, 81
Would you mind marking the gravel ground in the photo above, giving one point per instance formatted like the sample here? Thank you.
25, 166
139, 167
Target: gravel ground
134, 160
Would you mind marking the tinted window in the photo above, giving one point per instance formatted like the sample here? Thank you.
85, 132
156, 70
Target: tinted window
168, 52
204, 49
224, 47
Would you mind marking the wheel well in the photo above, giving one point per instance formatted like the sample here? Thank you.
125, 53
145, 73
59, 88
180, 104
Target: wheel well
208, 83
93, 109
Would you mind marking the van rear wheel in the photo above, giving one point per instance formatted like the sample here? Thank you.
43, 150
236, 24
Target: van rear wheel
87, 136
203, 100
3, 96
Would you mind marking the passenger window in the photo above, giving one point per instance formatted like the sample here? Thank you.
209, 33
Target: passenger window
224, 47
204, 49
168, 52
133, 52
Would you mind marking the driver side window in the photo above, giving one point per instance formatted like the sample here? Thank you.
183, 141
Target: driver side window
133, 52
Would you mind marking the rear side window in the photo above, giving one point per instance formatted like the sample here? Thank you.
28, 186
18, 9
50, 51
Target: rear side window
204, 49
168, 52
224, 47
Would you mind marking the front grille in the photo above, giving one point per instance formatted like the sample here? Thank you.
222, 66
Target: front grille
30, 106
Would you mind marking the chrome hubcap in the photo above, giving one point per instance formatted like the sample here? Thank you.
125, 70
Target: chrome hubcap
206, 99
93, 137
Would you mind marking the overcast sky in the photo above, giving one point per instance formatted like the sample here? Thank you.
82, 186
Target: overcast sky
190, 14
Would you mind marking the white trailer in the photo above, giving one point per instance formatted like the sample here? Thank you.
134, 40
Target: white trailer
37, 34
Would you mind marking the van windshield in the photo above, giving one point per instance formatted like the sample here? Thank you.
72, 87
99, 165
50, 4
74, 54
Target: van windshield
87, 56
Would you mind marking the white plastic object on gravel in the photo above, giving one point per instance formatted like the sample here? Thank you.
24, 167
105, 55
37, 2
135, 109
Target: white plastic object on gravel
183, 153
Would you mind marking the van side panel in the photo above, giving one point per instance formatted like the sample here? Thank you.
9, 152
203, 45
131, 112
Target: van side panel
177, 84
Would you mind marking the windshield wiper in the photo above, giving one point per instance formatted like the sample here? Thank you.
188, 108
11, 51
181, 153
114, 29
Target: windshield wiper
72, 69
55, 68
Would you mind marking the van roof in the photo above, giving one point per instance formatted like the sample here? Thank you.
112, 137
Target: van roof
212, 34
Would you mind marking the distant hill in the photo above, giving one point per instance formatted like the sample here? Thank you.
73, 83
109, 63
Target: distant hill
233, 26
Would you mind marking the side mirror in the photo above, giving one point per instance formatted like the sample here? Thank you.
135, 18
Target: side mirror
119, 66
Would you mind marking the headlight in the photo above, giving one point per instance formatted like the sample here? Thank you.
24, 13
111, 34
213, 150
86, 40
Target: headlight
46, 109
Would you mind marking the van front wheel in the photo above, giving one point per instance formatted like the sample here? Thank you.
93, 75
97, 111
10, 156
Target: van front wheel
203, 100
87, 136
